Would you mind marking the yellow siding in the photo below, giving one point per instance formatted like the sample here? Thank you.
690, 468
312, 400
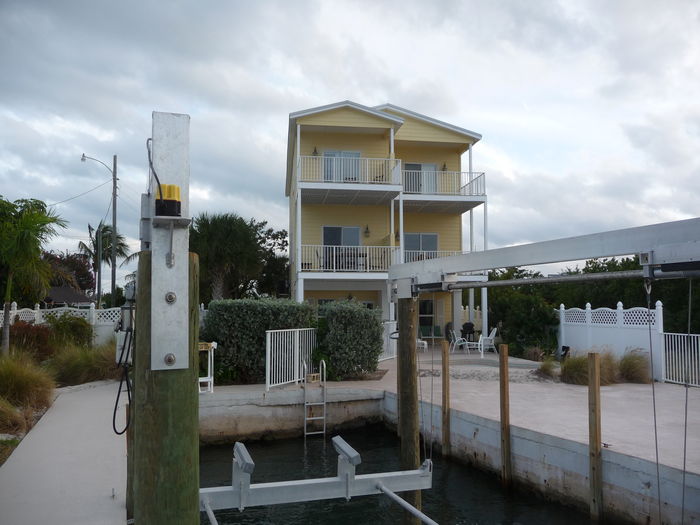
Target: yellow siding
451, 158
339, 295
345, 117
448, 226
414, 129
315, 216
370, 145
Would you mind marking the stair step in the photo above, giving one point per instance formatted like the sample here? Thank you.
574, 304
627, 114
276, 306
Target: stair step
315, 418
315, 432
315, 404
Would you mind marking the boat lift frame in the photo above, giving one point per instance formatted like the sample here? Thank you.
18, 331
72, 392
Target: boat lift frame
241, 493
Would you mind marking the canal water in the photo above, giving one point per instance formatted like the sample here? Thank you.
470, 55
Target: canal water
460, 494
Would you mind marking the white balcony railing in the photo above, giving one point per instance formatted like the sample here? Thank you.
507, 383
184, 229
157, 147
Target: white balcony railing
349, 170
420, 255
444, 182
320, 258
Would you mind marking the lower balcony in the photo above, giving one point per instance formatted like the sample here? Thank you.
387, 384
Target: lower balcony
422, 255
323, 258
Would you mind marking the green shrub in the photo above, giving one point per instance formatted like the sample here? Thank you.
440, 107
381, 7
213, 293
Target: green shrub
350, 339
11, 419
69, 329
238, 326
24, 383
574, 370
75, 365
634, 367
33, 340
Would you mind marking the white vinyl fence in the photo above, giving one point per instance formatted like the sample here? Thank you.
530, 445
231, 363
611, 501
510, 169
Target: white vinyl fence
682, 358
285, 353
103, 321
615, 331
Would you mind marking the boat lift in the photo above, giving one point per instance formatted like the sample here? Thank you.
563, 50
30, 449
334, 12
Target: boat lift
346, 484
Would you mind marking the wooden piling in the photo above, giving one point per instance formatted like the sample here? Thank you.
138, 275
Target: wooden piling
408, 397
445, 398
129, 464
506, 466
595, 466
165, 409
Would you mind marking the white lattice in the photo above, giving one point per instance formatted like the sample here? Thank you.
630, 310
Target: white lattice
638, 317
64, 310
25, 314
108, 316
603, 316
575, 315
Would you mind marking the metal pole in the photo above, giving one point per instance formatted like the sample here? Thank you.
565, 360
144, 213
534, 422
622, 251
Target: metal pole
99, 265
407, 506
114, 228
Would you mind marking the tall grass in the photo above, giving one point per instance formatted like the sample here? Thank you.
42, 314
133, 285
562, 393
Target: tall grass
23, 383
75, 365
548, 368
634, 368
574, 370
12, 420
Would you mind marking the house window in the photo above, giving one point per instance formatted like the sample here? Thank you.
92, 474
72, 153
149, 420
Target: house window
418, 246
420, 177
341, 236
341, 166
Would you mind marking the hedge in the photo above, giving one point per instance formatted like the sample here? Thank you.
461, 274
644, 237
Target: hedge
239, 325
350, 339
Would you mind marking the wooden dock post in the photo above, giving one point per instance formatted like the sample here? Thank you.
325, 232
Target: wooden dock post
408, 398
165, 409
445, 398
595, 468
506, 466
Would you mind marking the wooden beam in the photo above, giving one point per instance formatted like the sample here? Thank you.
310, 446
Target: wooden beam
165, 409
506, 466
445, 398
408, 397
595, 467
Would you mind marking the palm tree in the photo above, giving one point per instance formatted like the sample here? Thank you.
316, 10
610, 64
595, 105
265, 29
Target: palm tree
25, 226
91, 250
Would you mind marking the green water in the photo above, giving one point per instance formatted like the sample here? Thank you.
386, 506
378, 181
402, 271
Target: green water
459, 495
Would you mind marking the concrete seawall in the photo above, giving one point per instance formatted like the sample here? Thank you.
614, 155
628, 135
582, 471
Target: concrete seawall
557, 468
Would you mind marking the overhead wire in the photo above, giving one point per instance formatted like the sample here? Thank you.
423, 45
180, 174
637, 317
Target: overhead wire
80, 194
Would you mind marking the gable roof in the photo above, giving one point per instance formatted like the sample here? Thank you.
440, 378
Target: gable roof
429, 120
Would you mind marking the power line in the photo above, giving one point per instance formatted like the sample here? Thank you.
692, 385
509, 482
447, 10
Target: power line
81, 194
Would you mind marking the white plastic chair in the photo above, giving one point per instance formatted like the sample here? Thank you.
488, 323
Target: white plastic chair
487, 342
422, 345
456, 341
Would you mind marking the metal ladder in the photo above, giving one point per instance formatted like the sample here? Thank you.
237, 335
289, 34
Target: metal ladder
309, 405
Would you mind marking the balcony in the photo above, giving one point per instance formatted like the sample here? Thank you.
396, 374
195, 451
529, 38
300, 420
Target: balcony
323, 258
348, 180
420, 255
442, 191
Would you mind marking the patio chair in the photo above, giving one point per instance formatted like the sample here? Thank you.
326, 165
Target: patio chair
456, 341
422, 345
487, 342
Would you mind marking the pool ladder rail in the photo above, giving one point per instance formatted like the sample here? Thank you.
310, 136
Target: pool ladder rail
310, 413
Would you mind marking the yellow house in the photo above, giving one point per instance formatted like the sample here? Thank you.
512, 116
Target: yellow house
373, 186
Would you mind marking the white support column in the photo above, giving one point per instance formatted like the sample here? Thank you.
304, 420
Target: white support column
401, 243
391, 143
300, 281
484, 291
391, 224
299, 290
471, 238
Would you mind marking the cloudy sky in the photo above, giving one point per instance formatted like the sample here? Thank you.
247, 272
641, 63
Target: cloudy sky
589, 110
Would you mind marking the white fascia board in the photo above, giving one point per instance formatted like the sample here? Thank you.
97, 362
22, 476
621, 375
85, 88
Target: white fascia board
349, 186
418, 197
430, 120
360, 276
613, 243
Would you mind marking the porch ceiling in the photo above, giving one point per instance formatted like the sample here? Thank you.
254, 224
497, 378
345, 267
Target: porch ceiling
343, 193
440, 203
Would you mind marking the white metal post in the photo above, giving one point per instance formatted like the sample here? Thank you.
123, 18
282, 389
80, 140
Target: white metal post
391, 143
484, 291
297, 364
268, 362
401, 243
391, 224
471, 240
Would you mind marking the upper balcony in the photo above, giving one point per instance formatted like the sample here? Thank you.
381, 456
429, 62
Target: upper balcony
443, 191
348, 179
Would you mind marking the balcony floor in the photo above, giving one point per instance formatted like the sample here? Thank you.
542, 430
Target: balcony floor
348, 193
422, 203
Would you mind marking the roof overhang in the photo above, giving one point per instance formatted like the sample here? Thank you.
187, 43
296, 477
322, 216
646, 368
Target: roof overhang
471, 135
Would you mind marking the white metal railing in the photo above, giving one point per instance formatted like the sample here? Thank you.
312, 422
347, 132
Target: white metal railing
421, 255
682, 358
322, 258
444, 182
349, 170
106, 316
285, 353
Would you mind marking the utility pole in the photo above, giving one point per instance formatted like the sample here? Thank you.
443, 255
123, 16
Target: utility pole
99, 264
114, 228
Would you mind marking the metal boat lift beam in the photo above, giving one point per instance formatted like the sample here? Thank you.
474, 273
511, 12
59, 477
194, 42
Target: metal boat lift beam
664, 243
241, 493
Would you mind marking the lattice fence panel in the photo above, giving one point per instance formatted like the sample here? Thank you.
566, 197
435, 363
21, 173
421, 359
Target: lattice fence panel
603, 316
575, 315
638, 317
108, 316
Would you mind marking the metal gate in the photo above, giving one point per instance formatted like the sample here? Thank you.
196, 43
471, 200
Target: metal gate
285, 353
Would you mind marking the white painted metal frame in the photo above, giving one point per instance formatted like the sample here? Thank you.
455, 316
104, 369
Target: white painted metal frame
682, 358
206, 383
170, 245
285, 354
346, 484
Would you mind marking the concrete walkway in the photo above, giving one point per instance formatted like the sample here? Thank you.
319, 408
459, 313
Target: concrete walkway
71, 467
